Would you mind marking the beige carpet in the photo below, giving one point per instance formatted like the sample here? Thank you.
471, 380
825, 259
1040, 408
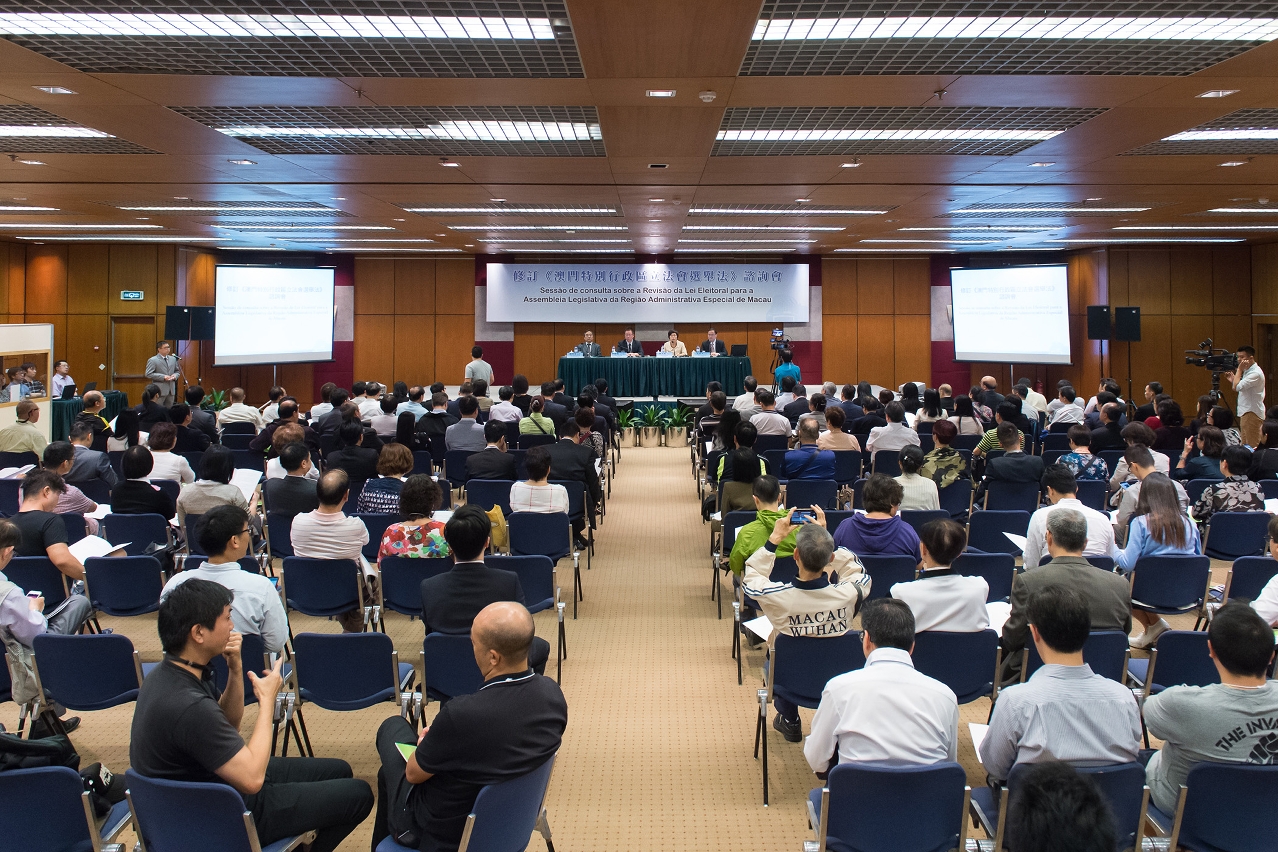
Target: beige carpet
657, 754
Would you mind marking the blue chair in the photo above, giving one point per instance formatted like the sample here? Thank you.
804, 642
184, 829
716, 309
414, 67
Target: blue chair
249, 460
455, 466
1011, 496
99, 491
764, 443
1248, 576
1223, 806
956, 498
48, 809
811, 492
1056, 442
887, 462
1269, 487
1178, 658
918, 518
352, 499
1106, 651
348, 671
191, 526
998, 569
324, 588
123, 586
1234, 534
279, 527
1105, 563
966, 442
38, 573
775, 460
546, 534
527, 442
75, 525
169, 814
254, 659
87, 672
968, 663
247, 563
236, 441
798, 671
238, 428
504, 815
1194, 488
137, 532
847, 466
876, 807
1093, 493
1170, 585
540, 582
1111, 459
985, 530
376, 526
448, 667
926, 442
8, 459
422, 462
487, 493
719, 555
886, 571
171, 487
1051, 457
400, 589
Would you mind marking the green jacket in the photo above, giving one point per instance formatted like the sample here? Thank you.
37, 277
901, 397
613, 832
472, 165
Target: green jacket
754, 535
943, 466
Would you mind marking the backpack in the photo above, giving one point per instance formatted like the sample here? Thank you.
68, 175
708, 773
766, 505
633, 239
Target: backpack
18, 658
17, 753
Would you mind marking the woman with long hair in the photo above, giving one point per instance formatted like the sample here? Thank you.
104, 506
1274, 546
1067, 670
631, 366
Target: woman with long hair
965, 419
929, 410
406, 431
1159, 528
1264, 461
1171, 434
910, 397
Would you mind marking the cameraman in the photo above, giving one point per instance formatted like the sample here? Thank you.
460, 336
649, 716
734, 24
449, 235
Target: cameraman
1249, 381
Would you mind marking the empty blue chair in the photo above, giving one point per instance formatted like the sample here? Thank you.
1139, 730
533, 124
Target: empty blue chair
731, 523
10, 497
1194, 488
87, 672
455, 466
1106, 651
1093, 493
324, 588
191, 524
985, 530
38, 574
1269, 487
775, 460
422, 462
1223, 806
887, 462
1178, 658
376, 526
926, 442
249, 460
956, 498
238, 428
998, 569
764, 443
235, 441
1170, 585
529, 441
75, 526
546, 534
448, 667
487, 493
1105, 563
876, 807
1234, 534
1056, 442
48, 809
540, 582
124, 585
886, 571
99, 491
967, 663
8, 459
186, 816
811, 492
279, 529
918, 518
1248, 576
1011, 496
171, 487
1111, 459
136, 532
401, 582
847, 466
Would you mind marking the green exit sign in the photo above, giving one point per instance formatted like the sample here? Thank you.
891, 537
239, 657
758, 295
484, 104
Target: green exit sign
131, 295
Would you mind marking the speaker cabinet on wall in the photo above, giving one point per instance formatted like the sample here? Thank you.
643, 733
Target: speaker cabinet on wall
1098, 322
1127, 324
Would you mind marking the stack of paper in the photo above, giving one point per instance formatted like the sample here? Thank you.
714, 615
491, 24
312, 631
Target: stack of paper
998, 612
978, 732
92, 545
99, 513
1271, 506
760, 627
1019, 540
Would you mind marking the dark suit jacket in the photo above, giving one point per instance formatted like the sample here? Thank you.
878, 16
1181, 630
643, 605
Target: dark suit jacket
1144, 412
435, 422
1107, 437
864, 424
451, 600
205, 422
572, 461
134, 497
190, 440
719, 346
1015, 467
150, 413
263, 441
101, 431
852, 410
454, 408
993, 399
590, 350
360, 463
606, 400
291, 495
634, 347
327, 429
90, 464
556, 412
1107, 596
607, 412
565, 400
491, 463
795, 409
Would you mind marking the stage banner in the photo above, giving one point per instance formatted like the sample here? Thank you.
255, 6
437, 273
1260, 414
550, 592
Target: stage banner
648, 292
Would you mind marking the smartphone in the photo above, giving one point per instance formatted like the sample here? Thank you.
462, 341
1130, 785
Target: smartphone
35, 594
803, 516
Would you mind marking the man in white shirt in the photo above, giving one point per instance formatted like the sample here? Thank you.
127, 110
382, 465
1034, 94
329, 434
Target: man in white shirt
1266, 603
1249, 381
1033, 399
941, 599
385, 421
326, 405
505, 410
1062, 491
225, 536
414, 403
238, 412
745, 401
1070, 411
895, 435
885, 711
768, 421
271, 410
371, 405
328, 533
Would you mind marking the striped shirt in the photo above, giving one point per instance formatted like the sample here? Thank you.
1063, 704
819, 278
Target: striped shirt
526, 497
1062, 713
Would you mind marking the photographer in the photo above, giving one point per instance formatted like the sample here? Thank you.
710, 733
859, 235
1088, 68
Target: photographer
1249, 381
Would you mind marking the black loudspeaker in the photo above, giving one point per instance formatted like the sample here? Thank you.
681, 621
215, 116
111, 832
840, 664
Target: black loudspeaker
188, 323
1098, 322
1127, 324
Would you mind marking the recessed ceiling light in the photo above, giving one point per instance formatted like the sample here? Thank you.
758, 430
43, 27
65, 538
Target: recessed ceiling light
1017, 27
120, 238
987, 228
29, 162
1243, 210
790, 228
1050, 208
357, 240
1041, 165
242, 162
855, 164
660, 93
219, 208
656, 200
1196, 227
337, 198
18, 208
55, 90
654, 220
942, 242
438, 235
399, 220
319, 227
498, 226
265, 26
1217, 93
777, 250
498, 200
175, 198
470, 245
658, 165
1096, 198
786, 211
802, 200
746, 242
582, 211
1153, 240
56, 226
449, 164
142, 218
929, 134
1232, 163
593, 240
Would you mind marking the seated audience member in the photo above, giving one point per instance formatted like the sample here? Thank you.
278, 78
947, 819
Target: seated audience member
806, 460
359, 462
328, 533
385, 421
1094, 418
1069, 410
1264, 459
467, 433
135, 495
1205, 463
1143, 412
571, 462
786, 396
296, 491
1062, 493
419, 535
880, 531
503, 731
214, 488
848, 402
189, 439
226, 536
451, 600
1015, 465
1064, 711
22, 619
964, 418
185, 730
493, 461
943, 464
768, 421
480, 389
89, 465
289, 433
812, 604
1080, 460
1223, 419
708, 421
381, 495
766, 493
328, 427
238, 412
895, 435
537, 422
1007, 413
520, 397
166, 464
91, 416
920, 491
1235, 493
1266, 603
800, 406
834, 438
886, 711
744, 438
745, 400
816, 410
406, 433
929, 410
1220, 723
1137, 433
704, 410
325, 405
591, 439
1053, 809
536, 494
980, 407
203, 420
504, 411
1171, 434
271, 408
413, 404
725, 431
436, 421
371, 405
268, 440
1159, 528
150, 412
1106, 594
941, 599
1140, 463
736, 493
58, 458
557, 412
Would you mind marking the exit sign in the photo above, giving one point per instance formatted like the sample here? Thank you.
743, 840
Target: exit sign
131, 295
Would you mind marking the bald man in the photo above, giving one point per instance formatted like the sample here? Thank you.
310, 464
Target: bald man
989, 393
512, 725
24, 436
94, 404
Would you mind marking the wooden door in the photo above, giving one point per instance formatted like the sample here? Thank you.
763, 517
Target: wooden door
132, 343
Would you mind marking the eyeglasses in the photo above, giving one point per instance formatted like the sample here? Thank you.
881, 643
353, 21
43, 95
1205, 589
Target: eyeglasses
244, 531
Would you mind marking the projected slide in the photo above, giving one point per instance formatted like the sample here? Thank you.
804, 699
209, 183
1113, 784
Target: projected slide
267, 315
1011, 316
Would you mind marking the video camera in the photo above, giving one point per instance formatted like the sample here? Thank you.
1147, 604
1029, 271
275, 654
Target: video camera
1216, 360
779, 340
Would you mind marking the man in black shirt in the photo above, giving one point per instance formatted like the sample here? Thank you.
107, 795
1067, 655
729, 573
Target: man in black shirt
189, 439
293, 494
135, 495
185, 730
359, 462
43, 533
571, 461
492, 462
511, 726
794, 410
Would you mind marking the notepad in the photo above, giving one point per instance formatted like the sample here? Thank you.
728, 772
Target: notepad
1019, 540
978, 736
92, 545
443, 516
99, 513
760, 627
406, 750
1271, 506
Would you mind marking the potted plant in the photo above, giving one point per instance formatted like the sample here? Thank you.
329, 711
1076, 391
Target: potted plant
214, 400
626, 423
677, 426
651, 424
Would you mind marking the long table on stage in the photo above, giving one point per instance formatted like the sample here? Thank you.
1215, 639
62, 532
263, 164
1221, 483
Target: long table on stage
66, 410
636, 377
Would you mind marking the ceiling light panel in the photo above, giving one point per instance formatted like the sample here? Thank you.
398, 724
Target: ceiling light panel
235, 207
1139, 37
784, 210
286, 226
121, 238
784, 228
996, 229
374, 38
497, 226
1034, 209
511, 210
1247, 131
560, 131
29, 130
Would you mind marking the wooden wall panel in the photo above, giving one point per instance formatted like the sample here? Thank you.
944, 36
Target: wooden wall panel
1151, 357
876, 337
535, 350
166, 278
1149, 281
759, 345
839, 361
1185, 378
455, 287
1232, 290
87, 267
839, 287
413, 350
374, 354
912, 285
88, 336
299, 381
454, 335
134, 267
59, 323
1190, 273
874, 287
414, 286
1264, 279
46, 280
374, 287
913, 351
1117, 263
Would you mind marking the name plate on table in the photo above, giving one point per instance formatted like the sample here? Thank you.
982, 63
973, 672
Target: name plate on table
616, 354
661, 353
576, 353
697, 353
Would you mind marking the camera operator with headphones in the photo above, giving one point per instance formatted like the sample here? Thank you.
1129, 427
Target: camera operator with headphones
1249, 381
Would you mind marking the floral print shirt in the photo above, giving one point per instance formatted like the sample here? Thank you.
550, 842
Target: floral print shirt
1234, 494
425, 541
1086, 467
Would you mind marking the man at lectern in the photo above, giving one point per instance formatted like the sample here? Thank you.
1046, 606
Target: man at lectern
162, 371
629, 345
588, 347
713, 344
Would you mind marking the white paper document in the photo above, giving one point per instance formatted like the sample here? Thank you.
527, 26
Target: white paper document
15, 472
978, 736
1271, 506
760, 627
99, 513
443, 516
1019, 540
998, 612
246, 480
92, 545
